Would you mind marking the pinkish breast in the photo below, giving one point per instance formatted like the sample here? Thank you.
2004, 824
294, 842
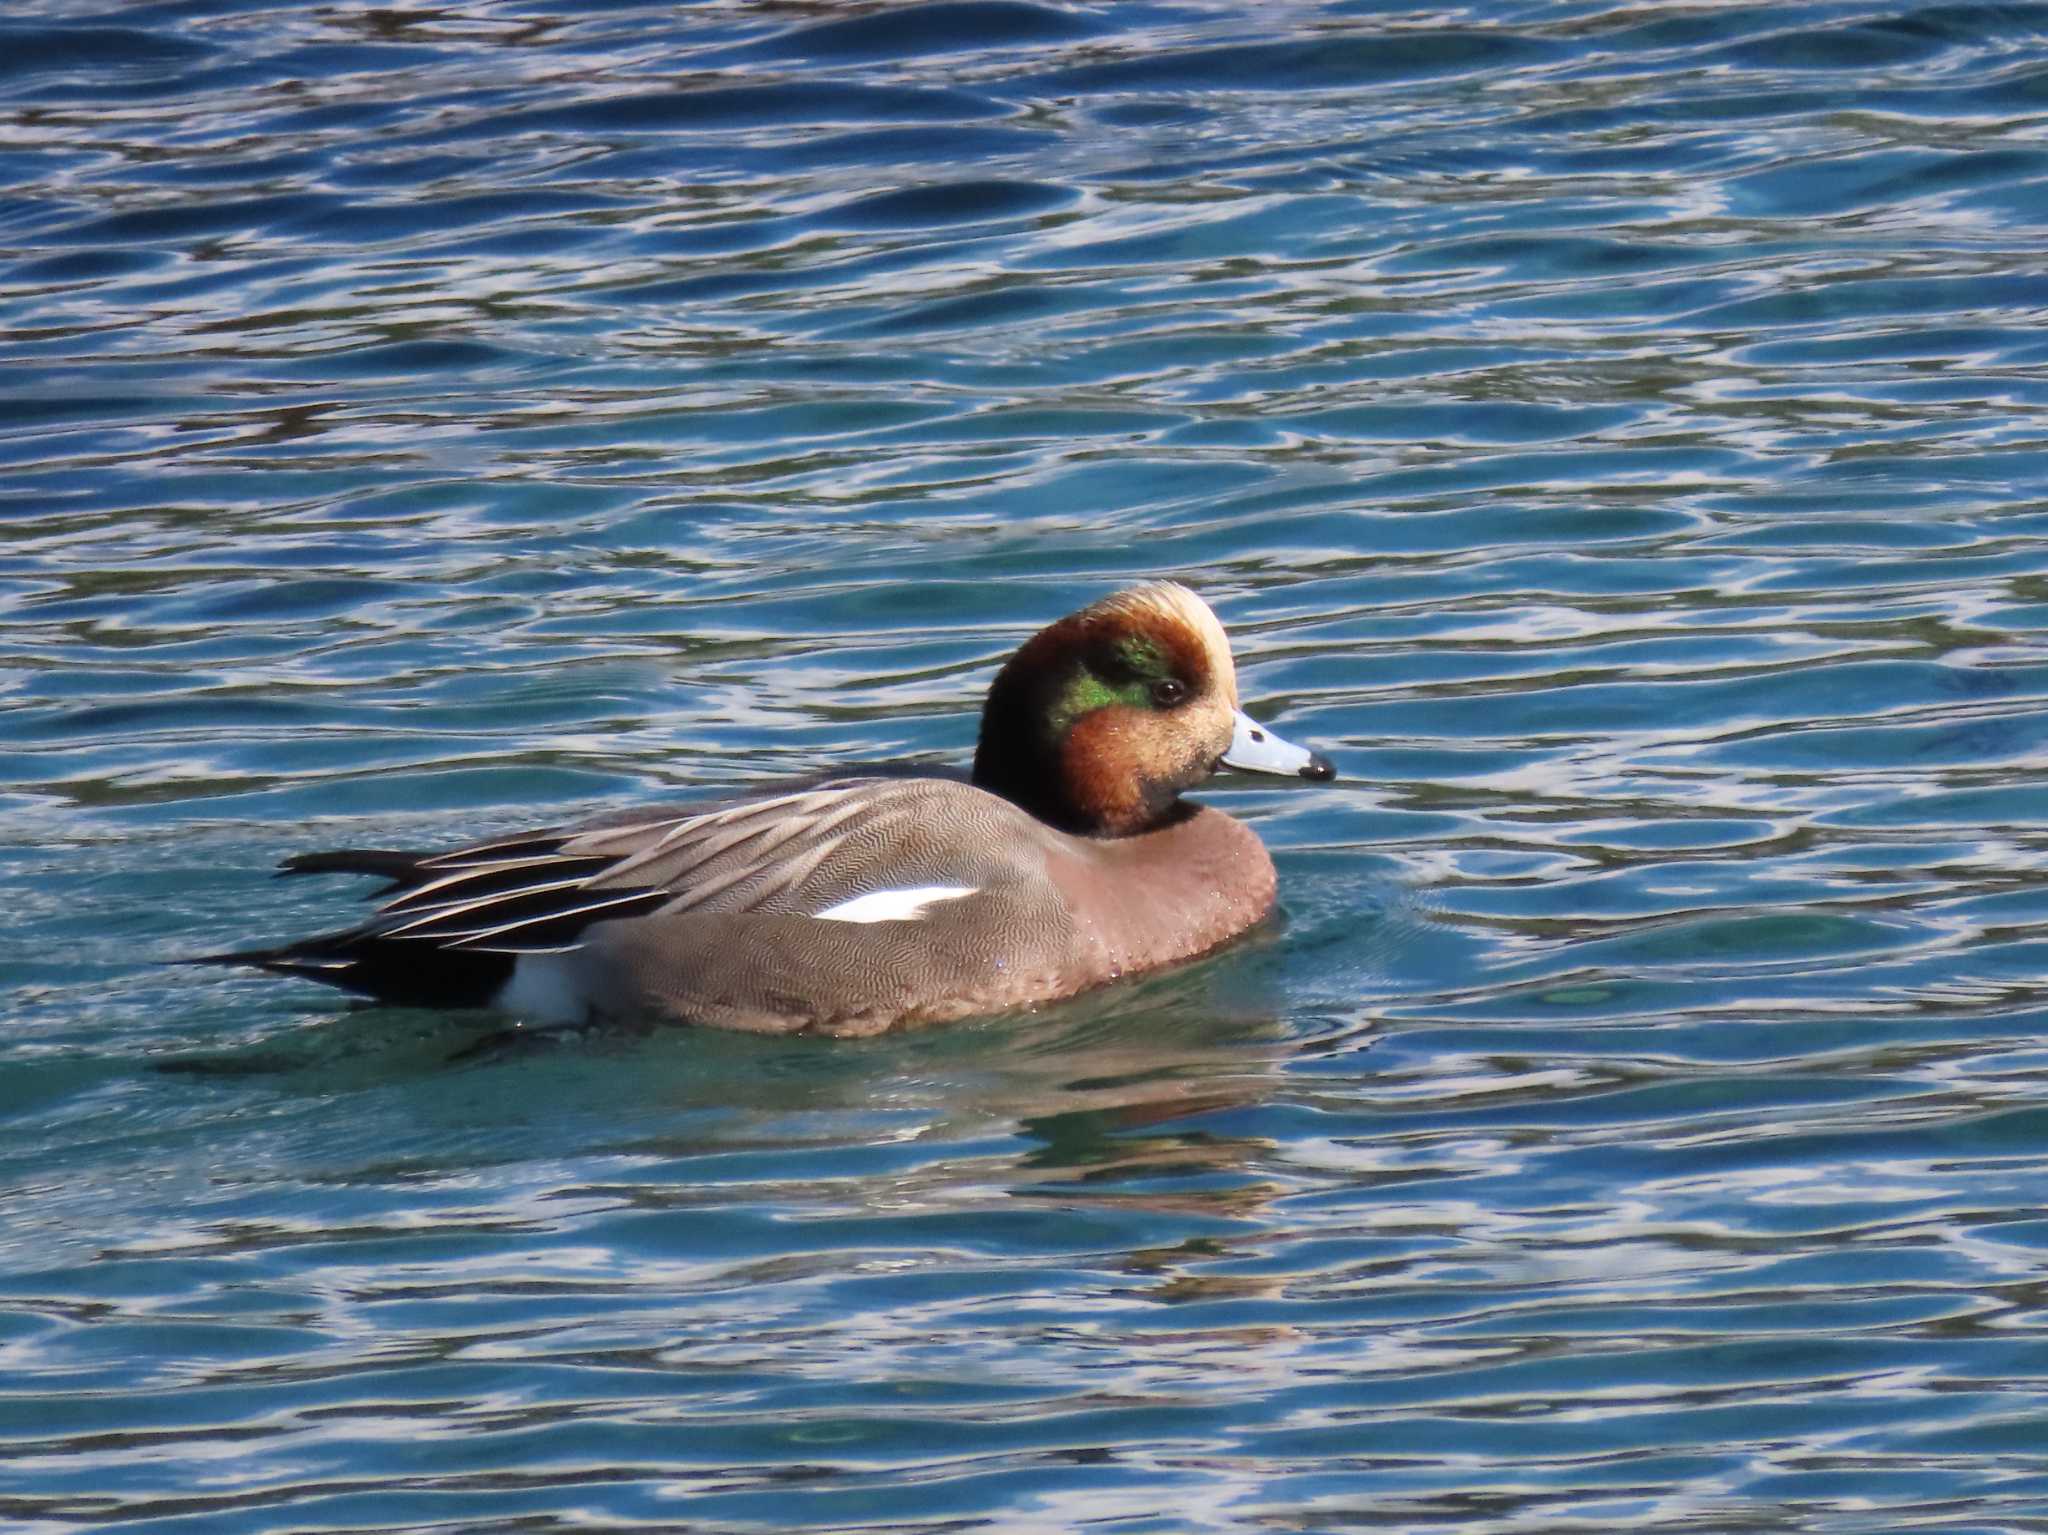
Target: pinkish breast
1144, 901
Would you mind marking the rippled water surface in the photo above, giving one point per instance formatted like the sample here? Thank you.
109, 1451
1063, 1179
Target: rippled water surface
1618, 435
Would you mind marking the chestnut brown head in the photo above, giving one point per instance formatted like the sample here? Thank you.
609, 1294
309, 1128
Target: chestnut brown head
1100, 722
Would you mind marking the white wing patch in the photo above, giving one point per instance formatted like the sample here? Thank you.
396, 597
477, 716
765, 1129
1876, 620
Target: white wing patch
544, 989
893, 905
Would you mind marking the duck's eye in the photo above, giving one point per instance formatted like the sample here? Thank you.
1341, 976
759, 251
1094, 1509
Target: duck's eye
1168, 691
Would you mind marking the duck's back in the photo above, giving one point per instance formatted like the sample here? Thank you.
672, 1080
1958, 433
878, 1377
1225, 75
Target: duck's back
846, 905
946, 903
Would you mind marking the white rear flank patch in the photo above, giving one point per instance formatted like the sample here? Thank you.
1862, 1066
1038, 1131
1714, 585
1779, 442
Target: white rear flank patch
893, 905
543, 988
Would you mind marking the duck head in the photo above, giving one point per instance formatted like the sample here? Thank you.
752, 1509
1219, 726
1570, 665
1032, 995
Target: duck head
1100, 722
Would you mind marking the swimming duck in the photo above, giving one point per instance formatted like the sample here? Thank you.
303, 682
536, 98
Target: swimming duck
852, 903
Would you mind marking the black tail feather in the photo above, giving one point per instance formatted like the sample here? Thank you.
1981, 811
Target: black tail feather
401, 868
509, 897
385, 969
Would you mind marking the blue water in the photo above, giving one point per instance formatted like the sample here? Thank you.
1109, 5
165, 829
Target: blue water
1618, 435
